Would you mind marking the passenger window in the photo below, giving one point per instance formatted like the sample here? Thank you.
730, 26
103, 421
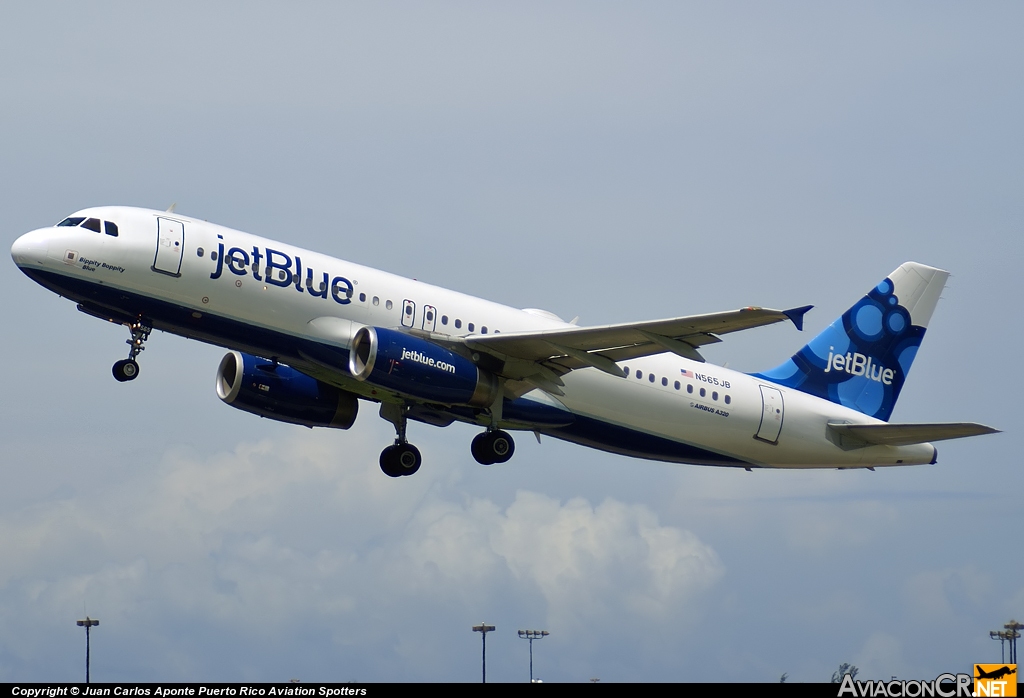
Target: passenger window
376, 300
408, 309
470, 327
199, 252
362, 297
639, 373
92, 224
70, 222
677, 385
281, 274
714, 395
110, 228
650, 377
664, 381
728, 399
458, 323
483, 330
444, 319
388, 305
689, 388
625, 371
703, 392
213, 255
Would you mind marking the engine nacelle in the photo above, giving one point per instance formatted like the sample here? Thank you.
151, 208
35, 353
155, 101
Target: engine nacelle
419, 368
280, 392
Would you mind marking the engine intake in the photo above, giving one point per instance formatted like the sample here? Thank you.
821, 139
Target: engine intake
279, 392
419, 368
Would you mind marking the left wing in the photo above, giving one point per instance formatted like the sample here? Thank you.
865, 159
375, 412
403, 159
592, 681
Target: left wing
541, 357
576, 347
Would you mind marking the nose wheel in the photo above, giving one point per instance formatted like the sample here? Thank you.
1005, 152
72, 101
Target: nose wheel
128, 369
493, 447
125, 370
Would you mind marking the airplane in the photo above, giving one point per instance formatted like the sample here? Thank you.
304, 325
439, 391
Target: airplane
310, 336
999, 673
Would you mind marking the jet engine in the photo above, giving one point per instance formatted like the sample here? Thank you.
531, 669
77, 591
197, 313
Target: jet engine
419, 368
280, 392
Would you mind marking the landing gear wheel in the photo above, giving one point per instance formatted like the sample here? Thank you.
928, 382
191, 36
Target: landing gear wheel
125, 370
400, 459
478, 448
493, 447
407, 458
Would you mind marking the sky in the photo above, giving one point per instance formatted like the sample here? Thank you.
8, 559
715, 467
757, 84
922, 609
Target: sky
616, 162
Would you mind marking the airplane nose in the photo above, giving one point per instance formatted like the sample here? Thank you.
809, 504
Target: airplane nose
30, 247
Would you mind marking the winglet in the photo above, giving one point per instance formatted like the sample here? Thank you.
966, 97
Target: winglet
797, 315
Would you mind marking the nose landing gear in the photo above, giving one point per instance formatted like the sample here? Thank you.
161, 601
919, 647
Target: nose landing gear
128, 369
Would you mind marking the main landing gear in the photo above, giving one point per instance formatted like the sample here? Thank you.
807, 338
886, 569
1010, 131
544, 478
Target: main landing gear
493, 447
128, 369
402, 458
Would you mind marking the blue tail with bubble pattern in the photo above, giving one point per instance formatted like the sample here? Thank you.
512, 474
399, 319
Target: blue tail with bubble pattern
862, 359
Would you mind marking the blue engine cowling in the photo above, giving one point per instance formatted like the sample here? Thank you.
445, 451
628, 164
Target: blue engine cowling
280, 392
419, 368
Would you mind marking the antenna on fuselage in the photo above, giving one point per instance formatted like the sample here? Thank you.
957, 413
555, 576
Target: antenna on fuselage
170, 209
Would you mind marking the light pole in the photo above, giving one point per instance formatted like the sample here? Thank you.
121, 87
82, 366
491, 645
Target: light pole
532, 635
1013, 629
1001, 636
483, 629
87, 623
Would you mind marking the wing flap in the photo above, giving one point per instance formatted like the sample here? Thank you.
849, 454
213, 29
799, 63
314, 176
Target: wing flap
862, 435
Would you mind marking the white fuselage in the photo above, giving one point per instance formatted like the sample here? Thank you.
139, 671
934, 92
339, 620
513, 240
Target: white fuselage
665, 398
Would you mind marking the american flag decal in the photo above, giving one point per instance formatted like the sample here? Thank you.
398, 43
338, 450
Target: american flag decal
688, 374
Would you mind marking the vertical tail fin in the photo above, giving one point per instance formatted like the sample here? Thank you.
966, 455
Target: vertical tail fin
862, 359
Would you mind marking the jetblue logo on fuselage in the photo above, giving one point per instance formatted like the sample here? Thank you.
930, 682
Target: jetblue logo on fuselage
858, 365
279, 269
421, 358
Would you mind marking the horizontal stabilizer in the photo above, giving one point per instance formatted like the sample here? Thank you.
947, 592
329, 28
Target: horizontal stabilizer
860, 435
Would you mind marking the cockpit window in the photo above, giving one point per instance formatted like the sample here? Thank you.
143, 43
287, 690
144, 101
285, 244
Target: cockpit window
110, 228
92, 224
70, 222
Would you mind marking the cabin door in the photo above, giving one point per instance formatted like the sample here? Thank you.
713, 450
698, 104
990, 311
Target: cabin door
170, 243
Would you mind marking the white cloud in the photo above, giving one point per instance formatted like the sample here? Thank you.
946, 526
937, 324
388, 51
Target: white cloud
249, 546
